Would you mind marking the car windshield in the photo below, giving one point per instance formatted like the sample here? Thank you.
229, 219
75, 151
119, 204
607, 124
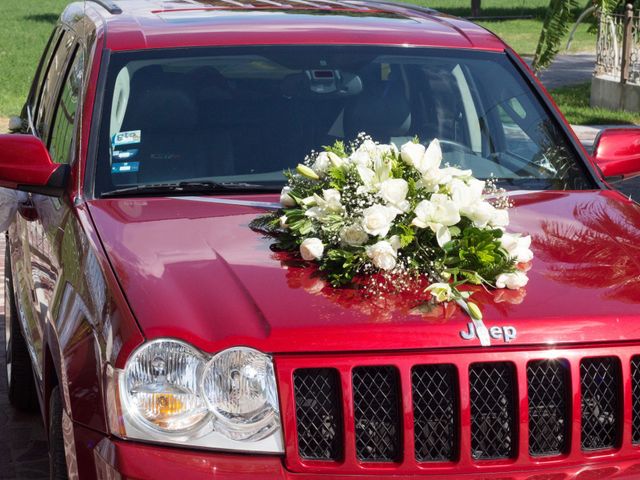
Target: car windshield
237, 117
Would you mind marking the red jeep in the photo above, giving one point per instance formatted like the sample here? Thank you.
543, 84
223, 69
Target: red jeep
168, 340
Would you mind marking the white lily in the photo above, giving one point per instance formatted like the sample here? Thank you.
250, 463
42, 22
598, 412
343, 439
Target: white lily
517, 246
379, 172
438, 213
441, 292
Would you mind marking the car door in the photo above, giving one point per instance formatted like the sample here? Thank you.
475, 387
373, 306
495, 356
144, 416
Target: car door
34, 267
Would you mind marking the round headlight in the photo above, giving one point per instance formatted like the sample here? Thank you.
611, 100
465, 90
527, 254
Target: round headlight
239, 387
161, 386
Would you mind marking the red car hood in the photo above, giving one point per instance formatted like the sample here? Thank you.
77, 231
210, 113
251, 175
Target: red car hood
192, 268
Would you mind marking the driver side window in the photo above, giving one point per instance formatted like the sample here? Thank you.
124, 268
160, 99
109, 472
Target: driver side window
65, 116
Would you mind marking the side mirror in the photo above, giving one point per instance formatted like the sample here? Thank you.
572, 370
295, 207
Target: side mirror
25, 165
617, 152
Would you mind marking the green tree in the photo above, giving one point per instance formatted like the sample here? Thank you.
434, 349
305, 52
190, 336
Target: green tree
559, 18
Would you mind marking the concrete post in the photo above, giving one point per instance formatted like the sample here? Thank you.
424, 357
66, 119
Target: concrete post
627, 43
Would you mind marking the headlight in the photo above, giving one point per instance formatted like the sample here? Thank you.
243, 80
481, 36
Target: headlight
170, 392
161, 387
239, 387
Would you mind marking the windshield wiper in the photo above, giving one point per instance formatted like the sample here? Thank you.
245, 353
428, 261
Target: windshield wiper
188, 187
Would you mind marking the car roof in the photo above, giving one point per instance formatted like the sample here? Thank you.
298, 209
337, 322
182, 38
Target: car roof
144, 24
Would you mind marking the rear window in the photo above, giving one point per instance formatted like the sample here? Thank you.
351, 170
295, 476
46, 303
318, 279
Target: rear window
243, 115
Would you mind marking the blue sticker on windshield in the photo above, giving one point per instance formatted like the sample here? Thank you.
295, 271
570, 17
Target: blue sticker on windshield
127, 138
125, 154
125, 167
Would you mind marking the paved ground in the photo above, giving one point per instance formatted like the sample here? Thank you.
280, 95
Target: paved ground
23, 444
568, 70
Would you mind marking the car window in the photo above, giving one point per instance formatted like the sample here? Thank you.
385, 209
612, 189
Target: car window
50, 86
237, 115
42, 70
64, 118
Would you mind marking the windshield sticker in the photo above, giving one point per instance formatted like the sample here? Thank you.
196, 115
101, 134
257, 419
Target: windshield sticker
125, 167
125, 154
127, 138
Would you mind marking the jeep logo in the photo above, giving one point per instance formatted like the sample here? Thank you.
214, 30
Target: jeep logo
497, 333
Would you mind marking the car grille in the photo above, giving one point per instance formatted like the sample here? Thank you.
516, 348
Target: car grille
434, 412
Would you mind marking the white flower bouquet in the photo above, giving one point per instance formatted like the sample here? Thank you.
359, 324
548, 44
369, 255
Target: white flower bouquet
368, 209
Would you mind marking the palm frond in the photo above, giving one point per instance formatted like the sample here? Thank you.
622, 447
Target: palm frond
555, 27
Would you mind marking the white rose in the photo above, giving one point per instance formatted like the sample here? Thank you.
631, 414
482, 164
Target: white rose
387, 149
411, 153
360, 159
382, 255
394, 192
441, 292
466, 194
517, 247
480, 214
353, 235
500, 218
287, 200
322, 163
512, 281
377, 220
332, 200
369, 147
311, 249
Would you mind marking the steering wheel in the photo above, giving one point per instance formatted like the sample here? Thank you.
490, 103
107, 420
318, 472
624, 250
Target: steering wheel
457, 146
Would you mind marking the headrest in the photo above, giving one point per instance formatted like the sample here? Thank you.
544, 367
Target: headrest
160, 102
381, 110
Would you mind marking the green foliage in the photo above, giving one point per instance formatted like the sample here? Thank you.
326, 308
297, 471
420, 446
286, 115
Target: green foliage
338, 148
476, 255
574, 104
341, 266
556, 26
25, 27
